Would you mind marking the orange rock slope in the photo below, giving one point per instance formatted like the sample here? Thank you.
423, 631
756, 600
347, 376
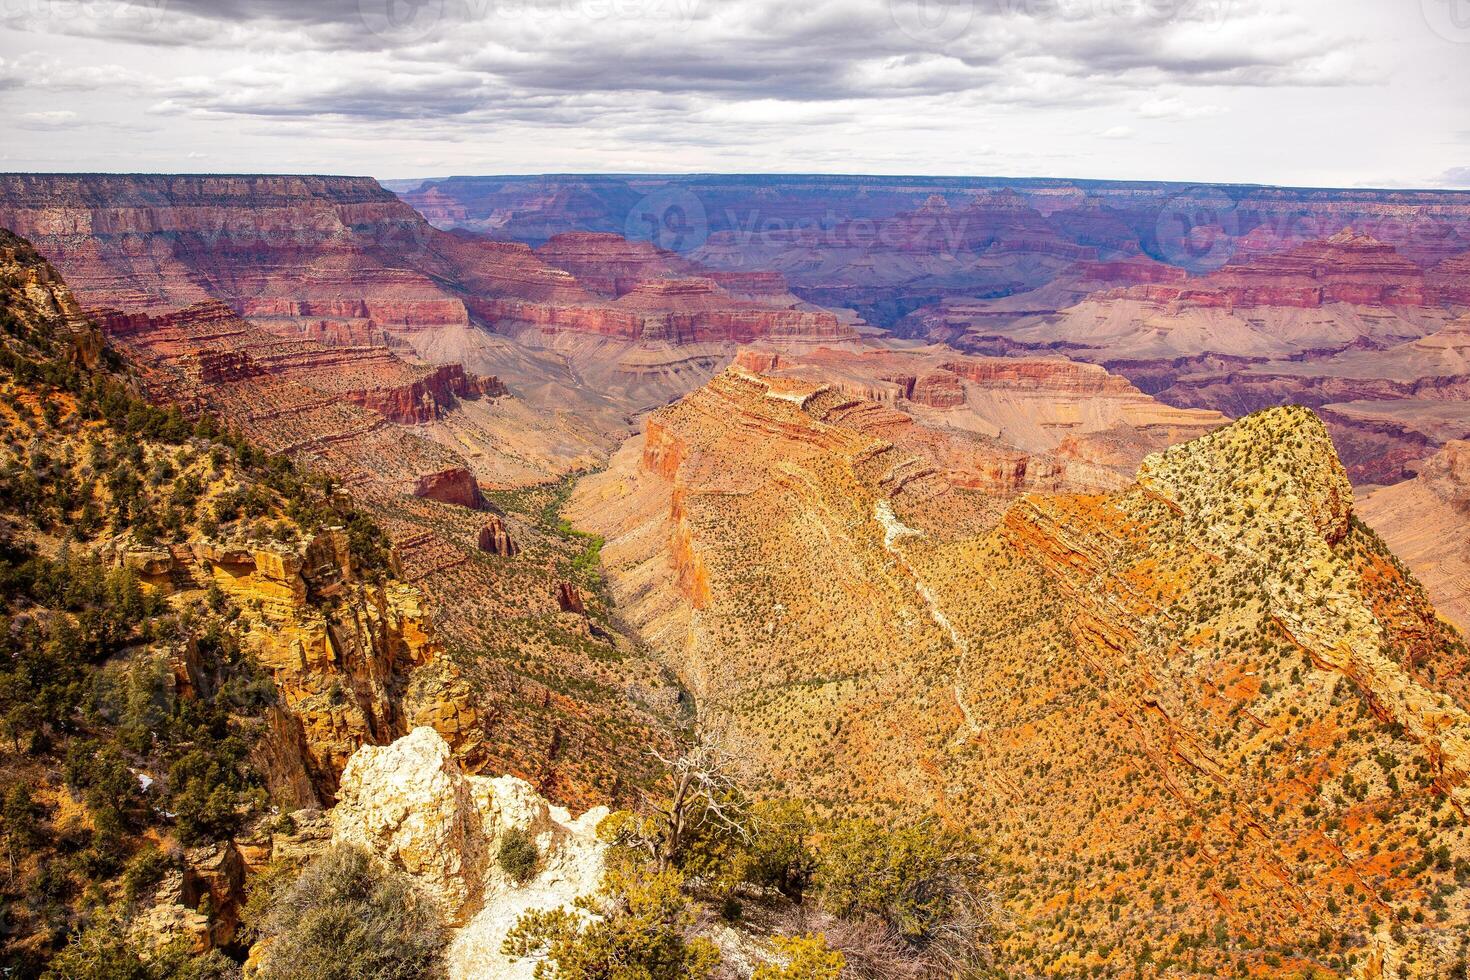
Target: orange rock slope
1207, 720
1426, 521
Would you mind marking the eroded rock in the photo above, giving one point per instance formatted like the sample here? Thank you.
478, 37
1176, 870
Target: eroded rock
412, 805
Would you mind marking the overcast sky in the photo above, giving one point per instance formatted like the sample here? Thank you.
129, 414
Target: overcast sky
1320, 92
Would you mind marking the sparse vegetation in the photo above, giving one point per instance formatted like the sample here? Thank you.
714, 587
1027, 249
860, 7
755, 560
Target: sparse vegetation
346, 915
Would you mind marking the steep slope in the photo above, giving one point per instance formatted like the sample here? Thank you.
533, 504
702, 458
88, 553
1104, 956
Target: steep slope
191, 632
545, 691
1424, 521
1206, 718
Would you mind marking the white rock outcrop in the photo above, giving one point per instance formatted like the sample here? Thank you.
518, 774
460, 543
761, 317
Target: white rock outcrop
411, 805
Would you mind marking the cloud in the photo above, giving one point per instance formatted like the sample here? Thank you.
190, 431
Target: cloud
756, 83
48, 119
420, 59
1173, 107
1455, 177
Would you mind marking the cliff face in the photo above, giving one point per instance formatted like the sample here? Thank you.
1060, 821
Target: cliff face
341, 263
362, 663
1326, 323
261, 243
888, 244
221, 347
340, 255
394, 436
1187, 704
1346, 268
235, 632
354, 662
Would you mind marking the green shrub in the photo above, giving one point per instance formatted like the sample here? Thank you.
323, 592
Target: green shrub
518, 856
923, 884
641, 929
348, 916
103, 951
145, 870
807, 958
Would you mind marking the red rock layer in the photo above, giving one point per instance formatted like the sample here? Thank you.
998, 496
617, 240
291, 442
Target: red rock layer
341, 261
1123, 217
269, 246
455, 485
221, 347
1347, 268
495, 539
608, 264
1449, 281
680, 311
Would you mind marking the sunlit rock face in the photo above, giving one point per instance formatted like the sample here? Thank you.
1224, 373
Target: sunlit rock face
412, 805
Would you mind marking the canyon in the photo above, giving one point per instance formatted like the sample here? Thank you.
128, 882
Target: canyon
593, 299
340, 261
924, 492
1343, 321
1233, 298
1218, 633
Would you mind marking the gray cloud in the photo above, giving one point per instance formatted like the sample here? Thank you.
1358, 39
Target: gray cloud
484, 50
673, 84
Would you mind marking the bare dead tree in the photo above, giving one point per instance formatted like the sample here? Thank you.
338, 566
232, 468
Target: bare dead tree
706, 789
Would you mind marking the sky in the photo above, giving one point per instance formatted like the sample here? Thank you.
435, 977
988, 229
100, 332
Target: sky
1343, 93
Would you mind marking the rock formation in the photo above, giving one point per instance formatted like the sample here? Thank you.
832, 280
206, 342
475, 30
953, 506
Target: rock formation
495, 539
1041, 405
412, 806
1324, 323
569, 599
455, 485
1346, 268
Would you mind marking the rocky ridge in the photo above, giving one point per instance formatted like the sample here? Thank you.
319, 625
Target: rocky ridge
413, 807
1250, 690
